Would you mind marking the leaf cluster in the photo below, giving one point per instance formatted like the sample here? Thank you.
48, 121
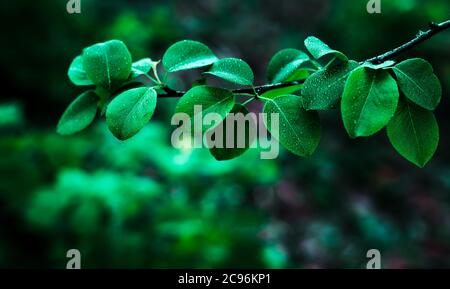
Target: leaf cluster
398, 96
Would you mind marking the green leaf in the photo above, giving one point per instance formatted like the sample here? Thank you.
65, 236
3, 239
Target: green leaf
369, 101
187, 54
77, 74
417, 81
130, 111
414, 133
281, 91
318, 49
79, 115
284, 65
233, 70
107, 64
224, 153
211, 100
141, 67
298, 130
323, 89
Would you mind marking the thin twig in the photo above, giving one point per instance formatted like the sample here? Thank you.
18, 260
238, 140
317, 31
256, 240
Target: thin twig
248, 90
420, 37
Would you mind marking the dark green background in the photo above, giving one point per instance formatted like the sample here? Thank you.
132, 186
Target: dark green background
142, 203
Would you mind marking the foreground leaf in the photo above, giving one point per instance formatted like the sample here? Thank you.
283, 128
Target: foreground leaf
369, 101
418, 83
77, 74
414, 133
107, 64
284, 66
130, 111
323, 89
187, 54
211, 100
228, 153
319, 49
233, 70
299, 130
79, 115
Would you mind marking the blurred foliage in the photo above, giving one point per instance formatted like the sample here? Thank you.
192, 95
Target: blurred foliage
141, 203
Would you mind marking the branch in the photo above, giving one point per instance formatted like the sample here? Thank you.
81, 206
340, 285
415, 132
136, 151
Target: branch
259, 89
421, 37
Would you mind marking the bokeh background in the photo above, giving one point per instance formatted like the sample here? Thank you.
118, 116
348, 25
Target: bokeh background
143, 204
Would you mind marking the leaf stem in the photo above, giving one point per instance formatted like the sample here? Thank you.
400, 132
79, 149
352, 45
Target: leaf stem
249, 100
155, 72
151, 78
